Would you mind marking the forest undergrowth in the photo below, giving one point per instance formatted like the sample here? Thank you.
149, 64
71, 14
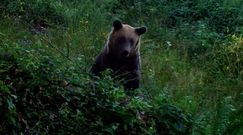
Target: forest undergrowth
192, 68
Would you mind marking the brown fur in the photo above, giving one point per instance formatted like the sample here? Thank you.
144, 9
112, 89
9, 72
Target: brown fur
121, 54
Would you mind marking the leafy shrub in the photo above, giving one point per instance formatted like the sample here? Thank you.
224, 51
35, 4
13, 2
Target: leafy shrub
34, 12
42, 94
8, 110
235, 124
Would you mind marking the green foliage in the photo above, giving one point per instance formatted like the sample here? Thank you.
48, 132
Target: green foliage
208, 21
227, 59
235, 121
8, 111
36, 87
40, 11
191, 68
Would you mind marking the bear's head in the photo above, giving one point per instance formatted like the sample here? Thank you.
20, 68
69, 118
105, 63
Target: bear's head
124, 40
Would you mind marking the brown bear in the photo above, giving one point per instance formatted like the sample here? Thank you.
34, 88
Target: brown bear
121, 54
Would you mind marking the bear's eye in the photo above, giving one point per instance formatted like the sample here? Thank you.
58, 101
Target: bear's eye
131, 41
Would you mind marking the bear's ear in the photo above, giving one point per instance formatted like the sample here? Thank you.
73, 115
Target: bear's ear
141, 30
117, 25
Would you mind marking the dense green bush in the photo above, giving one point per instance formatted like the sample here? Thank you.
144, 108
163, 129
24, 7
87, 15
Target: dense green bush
37, 13
8, 110
40, 94
191, 75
